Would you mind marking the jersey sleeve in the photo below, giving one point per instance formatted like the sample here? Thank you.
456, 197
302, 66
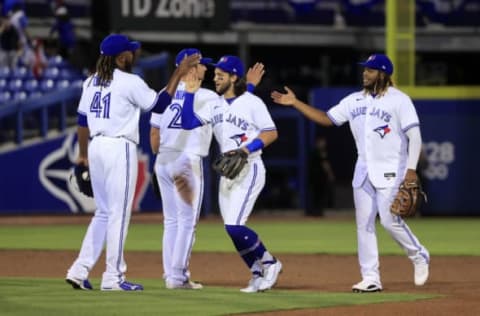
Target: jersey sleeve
155, 120
408, 115
262, 117
141, 94
83, 104
339, 113
203, 105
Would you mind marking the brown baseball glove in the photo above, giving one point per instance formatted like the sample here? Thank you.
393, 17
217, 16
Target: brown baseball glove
409, 198
230, 163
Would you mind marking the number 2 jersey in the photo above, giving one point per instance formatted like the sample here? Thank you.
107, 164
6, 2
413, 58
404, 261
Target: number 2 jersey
114, 110
172, 136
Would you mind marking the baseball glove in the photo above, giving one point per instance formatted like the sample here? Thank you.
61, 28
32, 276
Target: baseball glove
409, 198
155, 187
230, 163
82, 177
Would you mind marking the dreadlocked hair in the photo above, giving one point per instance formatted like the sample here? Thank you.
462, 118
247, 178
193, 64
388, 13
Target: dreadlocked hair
105, 67
382, 84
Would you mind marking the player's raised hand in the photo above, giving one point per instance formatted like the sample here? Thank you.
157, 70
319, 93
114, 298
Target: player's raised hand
288, 98
187, 63
192, 83
255, 73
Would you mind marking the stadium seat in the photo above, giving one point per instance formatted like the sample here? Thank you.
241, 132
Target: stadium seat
19, 96
5, 96
35, 94
20, 73
62, 84
78, 83
15, 85
31, 85
51, 73
5, 72
56, 61
47, 85
67, 74
3, 84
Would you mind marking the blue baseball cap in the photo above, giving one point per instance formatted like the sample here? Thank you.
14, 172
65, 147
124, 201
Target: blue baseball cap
379, 62
115, 44
231, 64
191, 51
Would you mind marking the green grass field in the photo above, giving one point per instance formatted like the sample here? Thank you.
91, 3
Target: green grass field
22, 296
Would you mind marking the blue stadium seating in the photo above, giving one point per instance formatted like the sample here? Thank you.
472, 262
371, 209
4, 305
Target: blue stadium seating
51, 73
19, 96
62, 84
5, 96
15, 85
47, 85
3, 84
5, 72
21, 73
31, 85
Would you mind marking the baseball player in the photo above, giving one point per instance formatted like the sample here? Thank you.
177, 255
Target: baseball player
386, 130
239, 120
178, 167
108, 114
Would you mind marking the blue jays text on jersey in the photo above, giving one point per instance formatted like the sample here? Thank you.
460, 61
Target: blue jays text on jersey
362, 110
232, 119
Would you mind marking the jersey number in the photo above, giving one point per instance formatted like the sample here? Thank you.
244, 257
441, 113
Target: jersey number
96, 105
175, 122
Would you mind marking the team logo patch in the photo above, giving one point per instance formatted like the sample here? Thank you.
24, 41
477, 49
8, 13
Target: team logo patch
239, 138
382, 130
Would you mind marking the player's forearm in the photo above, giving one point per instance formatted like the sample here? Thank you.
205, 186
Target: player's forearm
268, 137
154, 139
173, 82
316, 115
83, 134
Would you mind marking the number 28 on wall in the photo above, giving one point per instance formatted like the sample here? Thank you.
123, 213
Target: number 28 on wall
100, 105
439, 156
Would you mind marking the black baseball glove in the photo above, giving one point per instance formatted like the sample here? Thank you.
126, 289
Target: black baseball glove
230, 164
408, 199
82, 178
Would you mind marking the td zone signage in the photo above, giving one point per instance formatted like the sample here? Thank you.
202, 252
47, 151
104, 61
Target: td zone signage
160, 15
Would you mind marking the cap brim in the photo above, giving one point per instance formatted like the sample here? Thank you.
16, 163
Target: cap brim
133, 46
206, 61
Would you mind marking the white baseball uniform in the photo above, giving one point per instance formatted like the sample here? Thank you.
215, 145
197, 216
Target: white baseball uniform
180, 157
113, 114
378, 126
235, 125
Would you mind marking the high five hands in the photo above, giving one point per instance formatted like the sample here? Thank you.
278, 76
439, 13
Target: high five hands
287, 99
255, 73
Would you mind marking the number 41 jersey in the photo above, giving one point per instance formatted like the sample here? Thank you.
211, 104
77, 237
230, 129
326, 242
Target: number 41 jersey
114, 110
172, 136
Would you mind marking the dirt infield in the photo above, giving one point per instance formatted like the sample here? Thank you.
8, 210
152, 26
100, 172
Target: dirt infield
456, 278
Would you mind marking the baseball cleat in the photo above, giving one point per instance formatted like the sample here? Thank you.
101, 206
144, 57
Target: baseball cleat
187, 285
366, 286
270, 275
124, 286
420, 268
79, 284
253, 285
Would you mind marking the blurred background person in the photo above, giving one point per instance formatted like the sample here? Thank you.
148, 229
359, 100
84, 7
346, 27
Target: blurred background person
320, 179
64, 28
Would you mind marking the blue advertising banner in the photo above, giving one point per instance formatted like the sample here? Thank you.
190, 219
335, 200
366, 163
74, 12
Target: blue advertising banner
36, 178
449, 163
